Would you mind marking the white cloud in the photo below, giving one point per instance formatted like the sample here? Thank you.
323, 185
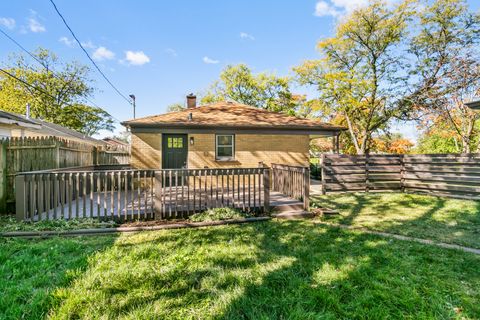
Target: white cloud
337, 8
208, 60
103, 53
171, 52
136, 58
35, 26
67, 42
322, 9
8, 23
247, 36
88, 44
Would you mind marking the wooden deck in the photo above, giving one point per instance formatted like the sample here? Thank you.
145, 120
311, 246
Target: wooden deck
133, 205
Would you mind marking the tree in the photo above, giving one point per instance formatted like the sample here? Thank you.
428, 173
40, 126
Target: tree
265, 91
85, 119
438, 141
174, 107
359, 77
392, 143
447, 67
60, 97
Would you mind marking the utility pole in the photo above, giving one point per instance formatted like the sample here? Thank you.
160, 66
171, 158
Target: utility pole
133, 100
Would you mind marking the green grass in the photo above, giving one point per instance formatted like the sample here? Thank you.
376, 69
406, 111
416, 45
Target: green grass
446, 220
9, 223
32, 270
269, 270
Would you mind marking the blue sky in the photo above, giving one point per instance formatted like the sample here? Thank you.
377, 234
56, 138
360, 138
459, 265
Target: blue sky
163, 50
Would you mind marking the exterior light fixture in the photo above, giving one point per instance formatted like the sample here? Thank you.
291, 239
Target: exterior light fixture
192, 141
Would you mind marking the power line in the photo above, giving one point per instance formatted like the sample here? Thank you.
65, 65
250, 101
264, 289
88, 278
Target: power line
40, 90
26, 83
88, 56
46, 68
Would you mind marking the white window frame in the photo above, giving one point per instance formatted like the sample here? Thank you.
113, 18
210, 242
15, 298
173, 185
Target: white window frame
224, 145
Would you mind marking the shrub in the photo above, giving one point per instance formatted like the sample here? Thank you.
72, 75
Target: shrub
218, 214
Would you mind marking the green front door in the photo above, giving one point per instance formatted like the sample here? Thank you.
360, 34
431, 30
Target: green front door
174, 151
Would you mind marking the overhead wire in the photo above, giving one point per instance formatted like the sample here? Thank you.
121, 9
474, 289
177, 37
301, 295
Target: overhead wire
87, 54
48, 69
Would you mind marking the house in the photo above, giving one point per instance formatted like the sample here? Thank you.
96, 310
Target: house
223, 135
115, 142
17, 125
474, 105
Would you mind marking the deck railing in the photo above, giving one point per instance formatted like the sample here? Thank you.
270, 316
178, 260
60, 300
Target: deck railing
139, 194
292, 181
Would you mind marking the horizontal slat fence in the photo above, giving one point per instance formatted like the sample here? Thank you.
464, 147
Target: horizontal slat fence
443, 174
139, 194
44, 153
292, 181
440, 174
360, 173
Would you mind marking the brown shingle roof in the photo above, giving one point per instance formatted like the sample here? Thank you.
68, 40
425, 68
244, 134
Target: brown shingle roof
230, 114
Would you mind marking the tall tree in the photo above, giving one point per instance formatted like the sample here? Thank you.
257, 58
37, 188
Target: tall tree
359, 76
265, 91
60, 97
447, 66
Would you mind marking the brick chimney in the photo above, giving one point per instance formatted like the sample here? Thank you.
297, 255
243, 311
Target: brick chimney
191, 101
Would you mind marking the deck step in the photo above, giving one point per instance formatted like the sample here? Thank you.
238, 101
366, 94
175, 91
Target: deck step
293, 215
286, 207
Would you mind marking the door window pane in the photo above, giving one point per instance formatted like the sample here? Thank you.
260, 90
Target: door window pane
175, 143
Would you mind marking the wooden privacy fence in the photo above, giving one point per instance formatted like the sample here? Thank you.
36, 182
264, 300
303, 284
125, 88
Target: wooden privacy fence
455, 175
292, 181
139, 194
43, 153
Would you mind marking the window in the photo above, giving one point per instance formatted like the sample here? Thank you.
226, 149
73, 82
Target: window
175, 143
225, 146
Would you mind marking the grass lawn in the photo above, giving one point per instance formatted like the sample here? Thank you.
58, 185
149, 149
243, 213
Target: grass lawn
268, 270
447, 220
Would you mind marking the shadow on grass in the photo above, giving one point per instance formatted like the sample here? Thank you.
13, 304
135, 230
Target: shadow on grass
272, 270
441, 219
31, 269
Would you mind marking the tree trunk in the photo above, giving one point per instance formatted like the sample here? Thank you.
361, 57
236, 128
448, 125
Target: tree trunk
352, 134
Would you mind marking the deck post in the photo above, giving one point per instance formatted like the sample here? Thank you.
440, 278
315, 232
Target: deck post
266, 190
20, 201
157, 200
322, 173
306, 188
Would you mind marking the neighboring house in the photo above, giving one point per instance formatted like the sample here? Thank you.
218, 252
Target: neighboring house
223, 134
115, 142
16, 125
474, 105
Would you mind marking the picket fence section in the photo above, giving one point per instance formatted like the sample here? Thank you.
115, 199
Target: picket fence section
128, 195
43, 153
456, 175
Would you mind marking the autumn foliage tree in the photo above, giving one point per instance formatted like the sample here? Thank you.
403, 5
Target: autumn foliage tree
263, 90
359, 76
56, 92
447, 64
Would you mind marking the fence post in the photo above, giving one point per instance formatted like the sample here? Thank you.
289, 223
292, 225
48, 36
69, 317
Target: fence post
322, 173
306, 188
157, 200
95, 156
20, 201
3, 176
57, 153
367, 182
266, 189
402, 173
